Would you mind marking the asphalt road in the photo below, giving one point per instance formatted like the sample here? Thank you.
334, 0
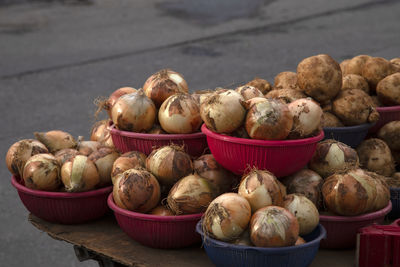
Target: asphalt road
56, 57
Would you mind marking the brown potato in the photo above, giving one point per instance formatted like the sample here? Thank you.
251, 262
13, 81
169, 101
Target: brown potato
263, 85
343, 65
390, 133
287, 95
286, 80
319, 77
330, 120
396, 64
375, 69
388, 90
354, 81
355, 65
376, 101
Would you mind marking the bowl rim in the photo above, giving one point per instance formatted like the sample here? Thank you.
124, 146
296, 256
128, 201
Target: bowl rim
58, 195
388, 109
322, 235
358, 218
115, 131
265, 143
396, 222
150, 217
363, 126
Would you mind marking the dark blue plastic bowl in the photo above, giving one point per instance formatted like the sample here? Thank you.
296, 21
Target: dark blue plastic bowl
226, 254
395, 198
350, 135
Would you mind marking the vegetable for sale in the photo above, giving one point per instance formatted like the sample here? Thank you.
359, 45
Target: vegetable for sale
79, 174
286, 95
286, 80
56, 140
65, 155
101, 133
390, 133
126, 161
354, 81
104, 159
388, 90
249, 92
375, 69
355, 65
161, 211
88, 147
263, 85
306, 118
41, 172
330, 120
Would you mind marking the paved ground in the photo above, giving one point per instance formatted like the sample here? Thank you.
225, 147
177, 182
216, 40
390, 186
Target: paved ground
56, 57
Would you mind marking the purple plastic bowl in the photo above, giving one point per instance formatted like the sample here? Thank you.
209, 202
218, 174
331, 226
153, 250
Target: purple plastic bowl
63, 207
281, 157
342, 230
349, 135
387, 114
194, 144
157, 231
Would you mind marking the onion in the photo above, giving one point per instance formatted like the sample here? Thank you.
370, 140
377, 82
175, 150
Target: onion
240, 133
249, 103
273, 226
249, 92
207, 167
286, 95
65, 155
169, 164
307, 183
56, 140
114, 97
223, 112
300, 241
126, 161
201, 95
304, 210
161, 211
79, 174
332, 156
41, 172
20, 152
104, 159
156, 129
163, 84
189, 195
269, 120
227, 217
263, 85
244, 239
101, 133
383, 191
261, 189
306, 118
180, 114
136, 190
88, 147
394, 181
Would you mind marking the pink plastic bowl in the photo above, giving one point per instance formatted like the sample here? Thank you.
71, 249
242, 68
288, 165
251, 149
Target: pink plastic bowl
125, 141
279, 157
396, 223
387, 114
341, 231
157, 231
62, 207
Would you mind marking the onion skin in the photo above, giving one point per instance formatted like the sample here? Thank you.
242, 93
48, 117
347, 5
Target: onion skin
41, 172
191, 194
306, 118
304, 210
88, 147
390, 133
104, 159
136, 190
263, 85
249, 92
128, 160
79, 174
249, 103
56, 140
115, 95
269, 120
169, 164
286, 95
101, 133
65, 155
19, 153
300, 241
227, 217
161, 211
286, 80
332, 156
161, 85
273, 226
180, 114
383, 191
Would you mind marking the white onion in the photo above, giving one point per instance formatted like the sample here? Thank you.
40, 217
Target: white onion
306, 118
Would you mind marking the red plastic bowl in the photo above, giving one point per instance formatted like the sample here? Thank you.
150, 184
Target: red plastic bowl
157, 231
279, 157
387, 114
62, 207
342, 231
396, 223
195, 143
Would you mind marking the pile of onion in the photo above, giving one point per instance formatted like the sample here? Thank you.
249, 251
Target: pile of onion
79, 174
128, 160
101, 133
65, 155
41, 172
104, 159
88, 147
249, 92
306, 118
263, 85
56, 140
109, 103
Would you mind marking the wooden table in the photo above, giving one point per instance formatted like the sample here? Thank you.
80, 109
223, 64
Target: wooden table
105, 242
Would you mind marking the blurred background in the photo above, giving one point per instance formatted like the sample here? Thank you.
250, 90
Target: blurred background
57, 56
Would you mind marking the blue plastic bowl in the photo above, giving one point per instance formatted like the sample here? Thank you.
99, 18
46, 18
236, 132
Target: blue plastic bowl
395, 198
350, 135
226, 254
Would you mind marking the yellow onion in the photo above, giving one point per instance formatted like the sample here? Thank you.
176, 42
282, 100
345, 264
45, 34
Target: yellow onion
169, 164
305, 182
20, 152
269, 120
227, 217
207, 167
332, 156
300, 241
190, 195
306, 118
249, 103
249, 92
223, 112
126, 161
273, 226
104, 159
56, 140
156, 129
65, 155
180, 114
161, 211
159, 86
244, 239
134, 112
101, 133
88, 147
261, 189
383, 191
79, 174
201, 95
114, 97
304, 210
136, 190
263, 85
41, 172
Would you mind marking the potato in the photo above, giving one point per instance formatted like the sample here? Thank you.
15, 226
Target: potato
343, 65
287, 95
390, 133
354, 107
330, 120
319, 77
263, 85
327, 107
396, 156
376, 101
354, 81
375, 156
355, 65
286, 80
394, 181
375, 69
396, 64
388, 90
